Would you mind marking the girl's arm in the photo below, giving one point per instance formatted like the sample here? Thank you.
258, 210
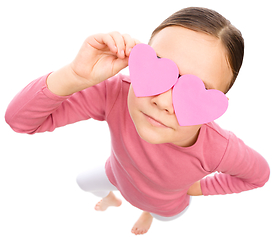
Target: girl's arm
241, 169
37, 109
47, 103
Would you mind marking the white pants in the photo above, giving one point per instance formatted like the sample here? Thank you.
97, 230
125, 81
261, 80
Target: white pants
97, 182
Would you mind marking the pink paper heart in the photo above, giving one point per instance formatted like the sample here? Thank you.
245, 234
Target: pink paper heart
150, 75
195, 105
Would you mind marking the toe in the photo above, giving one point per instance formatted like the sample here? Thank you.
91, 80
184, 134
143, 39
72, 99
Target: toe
136, 231
97, 206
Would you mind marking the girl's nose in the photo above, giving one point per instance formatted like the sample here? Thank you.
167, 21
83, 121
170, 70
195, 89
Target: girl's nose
164, 101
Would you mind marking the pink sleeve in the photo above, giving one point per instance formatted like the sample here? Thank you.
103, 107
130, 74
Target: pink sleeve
241, 169
37, 109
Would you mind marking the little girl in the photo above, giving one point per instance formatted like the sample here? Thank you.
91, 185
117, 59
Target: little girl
155, 163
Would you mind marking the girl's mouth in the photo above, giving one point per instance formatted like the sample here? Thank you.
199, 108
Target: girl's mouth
155, 122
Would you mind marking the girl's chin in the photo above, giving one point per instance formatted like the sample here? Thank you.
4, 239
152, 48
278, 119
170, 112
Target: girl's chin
151, 136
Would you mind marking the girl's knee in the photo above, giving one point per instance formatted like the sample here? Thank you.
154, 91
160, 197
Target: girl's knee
81, 182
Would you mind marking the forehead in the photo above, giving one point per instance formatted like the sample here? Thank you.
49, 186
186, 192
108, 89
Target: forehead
195, 53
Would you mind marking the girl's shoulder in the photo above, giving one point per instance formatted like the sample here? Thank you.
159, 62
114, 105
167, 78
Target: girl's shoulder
119, 78
117, 83
125, 78
216, 131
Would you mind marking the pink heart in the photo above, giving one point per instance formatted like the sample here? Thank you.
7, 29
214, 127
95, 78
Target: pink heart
150, 75
195, 105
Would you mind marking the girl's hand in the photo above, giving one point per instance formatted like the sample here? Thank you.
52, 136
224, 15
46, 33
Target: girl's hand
195, 189
102, 56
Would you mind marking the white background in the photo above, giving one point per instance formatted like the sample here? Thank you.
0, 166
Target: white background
39, 198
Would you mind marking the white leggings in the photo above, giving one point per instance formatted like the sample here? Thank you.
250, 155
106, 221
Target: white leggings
97, 182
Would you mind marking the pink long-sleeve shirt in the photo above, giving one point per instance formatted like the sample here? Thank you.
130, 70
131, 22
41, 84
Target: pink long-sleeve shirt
154, 178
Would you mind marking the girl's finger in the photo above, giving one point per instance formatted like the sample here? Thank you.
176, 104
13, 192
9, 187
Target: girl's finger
102, 41
129, 43
120, 44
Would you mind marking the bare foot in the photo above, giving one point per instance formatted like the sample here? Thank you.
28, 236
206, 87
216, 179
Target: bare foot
143, 224
110, 201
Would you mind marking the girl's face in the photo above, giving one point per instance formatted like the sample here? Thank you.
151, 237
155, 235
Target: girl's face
194, 53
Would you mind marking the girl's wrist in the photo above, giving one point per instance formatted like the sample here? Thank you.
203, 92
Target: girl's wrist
64, 82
